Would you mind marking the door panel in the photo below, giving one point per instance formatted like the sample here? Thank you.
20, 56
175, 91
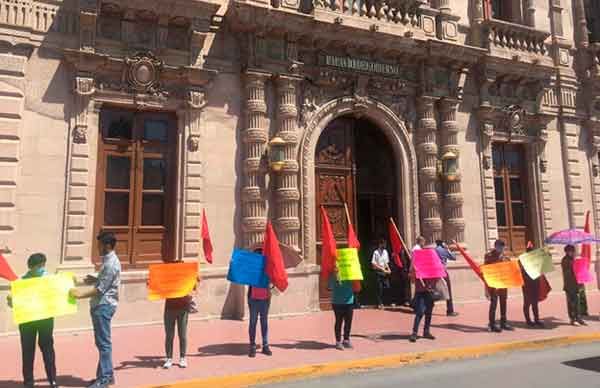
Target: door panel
335, 186
510, 182
136, 178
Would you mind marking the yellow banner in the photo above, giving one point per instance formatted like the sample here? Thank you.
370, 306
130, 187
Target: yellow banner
172, 280
41, 298
348, 264
537, 262
503, 275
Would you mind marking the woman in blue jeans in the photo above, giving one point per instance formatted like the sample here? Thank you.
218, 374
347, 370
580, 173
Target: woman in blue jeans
259, 300
423, 306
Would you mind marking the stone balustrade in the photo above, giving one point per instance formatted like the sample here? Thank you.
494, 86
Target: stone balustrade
405, 12
516, 37
40, 16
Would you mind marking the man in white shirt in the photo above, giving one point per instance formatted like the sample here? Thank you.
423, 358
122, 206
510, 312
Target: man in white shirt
420, 243
380, 262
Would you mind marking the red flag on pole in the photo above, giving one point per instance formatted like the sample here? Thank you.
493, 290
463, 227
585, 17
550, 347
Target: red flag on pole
5, 271
206, 242
328, 249
586, 249
474, 266
396, 242
274, 266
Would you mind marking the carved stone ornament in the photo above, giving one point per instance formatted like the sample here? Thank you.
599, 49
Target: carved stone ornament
193, 143
310, 103
196, 99
514, 119
84, 86
143, 73
80, 135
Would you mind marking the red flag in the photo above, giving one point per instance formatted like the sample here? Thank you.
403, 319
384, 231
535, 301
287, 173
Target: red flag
328, 249
206, 242
5, 271
274, 267
396, 242
474, 266
586, 249
544, 288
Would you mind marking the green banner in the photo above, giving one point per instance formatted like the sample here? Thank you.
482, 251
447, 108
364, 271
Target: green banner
537, 262
348, 264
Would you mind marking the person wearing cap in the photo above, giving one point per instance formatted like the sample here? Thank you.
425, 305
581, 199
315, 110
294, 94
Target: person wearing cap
445, 255
42, 330
571, 287
103, 304
495, 256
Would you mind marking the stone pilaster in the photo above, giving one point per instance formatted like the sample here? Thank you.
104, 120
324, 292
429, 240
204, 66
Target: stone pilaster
77, 249
88, 13
580, 24
255, 136
570, 132
431, 222
555, 17
193, 172
529, 12
454, 223
486, 134
545, 184
287, 192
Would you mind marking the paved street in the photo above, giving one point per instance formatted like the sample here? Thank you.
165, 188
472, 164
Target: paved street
575, 366
219, 348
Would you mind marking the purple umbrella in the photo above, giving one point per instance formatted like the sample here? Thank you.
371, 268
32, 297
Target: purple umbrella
571, 237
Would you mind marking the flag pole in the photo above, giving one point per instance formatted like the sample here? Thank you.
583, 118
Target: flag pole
401, 239
347, 213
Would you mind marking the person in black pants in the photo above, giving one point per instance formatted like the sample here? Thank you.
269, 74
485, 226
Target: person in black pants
342, 299
497, 255
40, 331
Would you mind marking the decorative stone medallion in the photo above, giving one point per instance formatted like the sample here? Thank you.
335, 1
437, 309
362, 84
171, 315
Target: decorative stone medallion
143, 72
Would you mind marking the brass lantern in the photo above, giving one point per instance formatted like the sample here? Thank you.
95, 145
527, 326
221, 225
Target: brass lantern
276, 153
450, 166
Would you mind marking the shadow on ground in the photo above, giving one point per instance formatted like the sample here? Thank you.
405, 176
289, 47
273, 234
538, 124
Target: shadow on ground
149, 362
591, 364
63, 381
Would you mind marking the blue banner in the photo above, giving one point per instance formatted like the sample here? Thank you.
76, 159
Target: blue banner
248, 268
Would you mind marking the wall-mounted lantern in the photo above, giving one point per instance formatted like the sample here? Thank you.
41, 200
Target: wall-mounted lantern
450, 166
276, 153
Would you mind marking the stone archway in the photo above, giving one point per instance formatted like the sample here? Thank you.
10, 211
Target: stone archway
405, 163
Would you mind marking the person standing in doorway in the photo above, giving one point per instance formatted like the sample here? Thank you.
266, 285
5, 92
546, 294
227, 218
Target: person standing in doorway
571, 287
445, 255
497, 255
103, 304
41, 330
380, 263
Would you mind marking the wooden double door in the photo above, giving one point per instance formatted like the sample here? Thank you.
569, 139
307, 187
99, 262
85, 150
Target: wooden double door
354, 170
135, 184
512, 201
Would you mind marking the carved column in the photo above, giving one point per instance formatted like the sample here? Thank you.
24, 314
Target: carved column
431, 223
580, 27
454, 223
287, 194
88, 13
255, 138
545, 183
529, 12
77, 234
486, 133
556, 17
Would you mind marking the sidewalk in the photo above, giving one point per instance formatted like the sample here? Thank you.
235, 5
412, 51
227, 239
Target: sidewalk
219, 348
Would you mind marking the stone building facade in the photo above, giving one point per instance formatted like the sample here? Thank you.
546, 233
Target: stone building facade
464, 120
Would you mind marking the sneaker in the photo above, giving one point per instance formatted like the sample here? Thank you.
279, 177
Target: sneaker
266, 350
581, 322
53, 384
530, 323
347, 344
574, 323
507, 327
252, 351
494, 329
96, 384
339, 346
168, 364
183, 362
452, 314
413, 338
539, 323
380, 307
428, 335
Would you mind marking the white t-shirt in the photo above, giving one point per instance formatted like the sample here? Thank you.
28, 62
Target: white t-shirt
380, 257
417, 247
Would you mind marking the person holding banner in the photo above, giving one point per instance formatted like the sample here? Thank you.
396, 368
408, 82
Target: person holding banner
259, 301
342, 303
571, 287
496, 255
381, 265
531, 296
103, 305
42, 330
423, 306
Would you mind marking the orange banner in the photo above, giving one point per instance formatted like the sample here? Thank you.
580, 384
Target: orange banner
173, 280
503, 275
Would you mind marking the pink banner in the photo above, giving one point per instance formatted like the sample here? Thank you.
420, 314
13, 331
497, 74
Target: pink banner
581, 267
428, 264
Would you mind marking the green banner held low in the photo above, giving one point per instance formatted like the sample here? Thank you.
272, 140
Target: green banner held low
537, 262
348, 264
